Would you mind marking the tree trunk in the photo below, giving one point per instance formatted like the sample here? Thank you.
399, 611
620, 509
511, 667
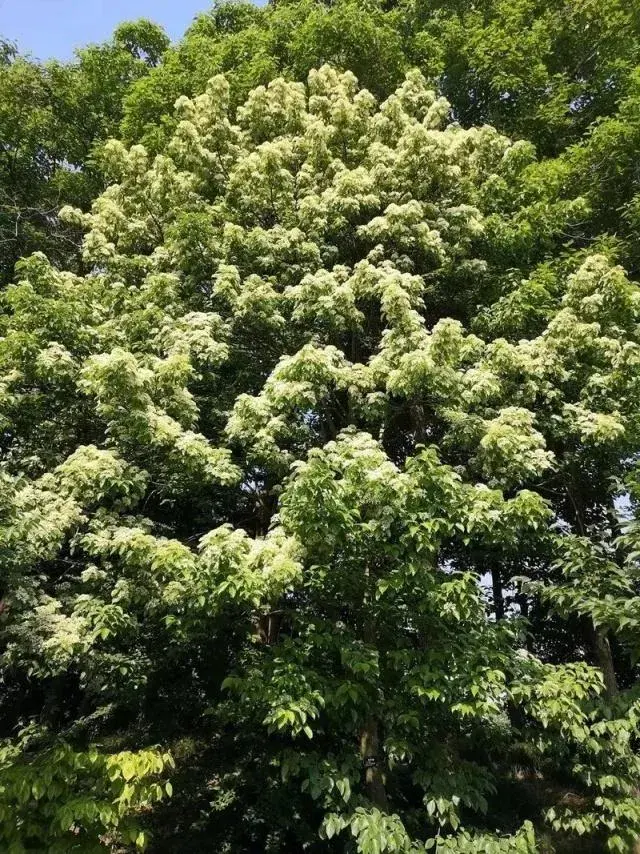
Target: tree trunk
369, 735
523, 604
602, 653
597, 637
373, 777
498, 599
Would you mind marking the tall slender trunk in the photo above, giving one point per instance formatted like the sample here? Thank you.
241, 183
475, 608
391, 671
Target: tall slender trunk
369, 734
498, 598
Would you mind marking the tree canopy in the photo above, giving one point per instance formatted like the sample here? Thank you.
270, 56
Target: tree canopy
320, 406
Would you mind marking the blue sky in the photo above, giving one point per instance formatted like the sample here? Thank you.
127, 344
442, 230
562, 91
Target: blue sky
53, 28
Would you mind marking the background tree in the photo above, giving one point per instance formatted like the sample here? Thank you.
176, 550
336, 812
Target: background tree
52, 118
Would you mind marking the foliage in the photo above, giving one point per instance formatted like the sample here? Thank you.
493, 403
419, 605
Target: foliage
52, 116
319, 486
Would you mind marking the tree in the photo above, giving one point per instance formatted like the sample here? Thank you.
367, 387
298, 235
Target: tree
52, 118
535, 69
295, 410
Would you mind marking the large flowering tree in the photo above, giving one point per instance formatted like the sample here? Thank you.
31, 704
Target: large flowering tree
270, 467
